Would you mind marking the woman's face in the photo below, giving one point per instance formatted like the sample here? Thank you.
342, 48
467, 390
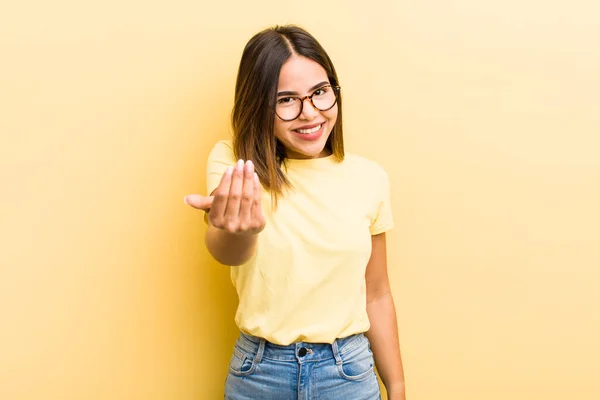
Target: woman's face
305, 136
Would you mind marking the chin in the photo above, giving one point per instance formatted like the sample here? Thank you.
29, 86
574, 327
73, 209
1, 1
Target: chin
307, 153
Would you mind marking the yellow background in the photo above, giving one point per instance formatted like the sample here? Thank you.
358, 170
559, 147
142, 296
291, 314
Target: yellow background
485, 114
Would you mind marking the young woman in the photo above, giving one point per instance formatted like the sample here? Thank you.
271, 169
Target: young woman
302, 226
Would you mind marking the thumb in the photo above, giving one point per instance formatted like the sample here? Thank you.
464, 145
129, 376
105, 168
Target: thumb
199, 202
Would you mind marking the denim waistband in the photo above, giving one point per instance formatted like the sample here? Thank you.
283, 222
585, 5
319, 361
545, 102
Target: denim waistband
299, 351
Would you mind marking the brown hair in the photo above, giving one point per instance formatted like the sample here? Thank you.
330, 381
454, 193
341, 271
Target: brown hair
253, 113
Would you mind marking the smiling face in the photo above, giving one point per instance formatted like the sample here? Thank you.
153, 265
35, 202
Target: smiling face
305, 136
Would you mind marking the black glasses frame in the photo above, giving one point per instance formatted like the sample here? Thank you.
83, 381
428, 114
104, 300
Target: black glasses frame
336, 90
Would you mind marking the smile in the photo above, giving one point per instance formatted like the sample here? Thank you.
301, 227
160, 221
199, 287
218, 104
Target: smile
309, 131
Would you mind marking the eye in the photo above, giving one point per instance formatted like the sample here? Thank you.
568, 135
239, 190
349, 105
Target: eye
285, 100
321, 91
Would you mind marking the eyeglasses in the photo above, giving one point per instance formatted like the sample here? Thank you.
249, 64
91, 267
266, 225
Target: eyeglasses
324, 98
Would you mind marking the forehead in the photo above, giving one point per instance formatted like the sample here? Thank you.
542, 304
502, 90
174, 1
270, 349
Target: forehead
300, 73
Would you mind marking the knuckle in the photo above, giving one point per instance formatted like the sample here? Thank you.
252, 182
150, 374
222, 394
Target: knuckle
220, 195
231, 227
247, 198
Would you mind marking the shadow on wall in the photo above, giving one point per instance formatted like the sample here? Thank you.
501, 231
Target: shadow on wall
210, 295
216, 303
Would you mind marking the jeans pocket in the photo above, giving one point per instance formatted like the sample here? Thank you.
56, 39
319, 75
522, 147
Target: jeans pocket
357, 364
241, 364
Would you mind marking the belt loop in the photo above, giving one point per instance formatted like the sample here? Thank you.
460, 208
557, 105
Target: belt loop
336, 352
261, 350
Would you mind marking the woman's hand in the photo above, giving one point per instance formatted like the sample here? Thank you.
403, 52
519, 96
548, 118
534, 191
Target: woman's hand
235, 205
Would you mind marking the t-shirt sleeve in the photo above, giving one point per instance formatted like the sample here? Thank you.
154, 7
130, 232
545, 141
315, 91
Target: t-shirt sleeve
383, 220
220, 157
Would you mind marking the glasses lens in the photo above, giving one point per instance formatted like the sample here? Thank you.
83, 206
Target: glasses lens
288, 108
324, 98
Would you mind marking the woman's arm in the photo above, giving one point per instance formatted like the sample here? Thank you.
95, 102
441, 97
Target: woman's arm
235, 215
383, 333
229, 248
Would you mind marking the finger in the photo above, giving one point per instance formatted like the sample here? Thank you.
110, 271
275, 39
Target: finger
235, 192
256, 206
199, 202
217, 211
247, 196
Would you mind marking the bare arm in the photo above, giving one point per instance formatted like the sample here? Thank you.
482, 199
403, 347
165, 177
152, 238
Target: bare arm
383, 333
229, 248
234, 215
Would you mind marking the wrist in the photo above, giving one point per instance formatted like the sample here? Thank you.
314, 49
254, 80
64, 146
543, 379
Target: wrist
396, 391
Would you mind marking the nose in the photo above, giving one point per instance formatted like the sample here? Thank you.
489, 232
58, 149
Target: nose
309, 112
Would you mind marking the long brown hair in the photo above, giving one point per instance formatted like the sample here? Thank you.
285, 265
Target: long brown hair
253, 116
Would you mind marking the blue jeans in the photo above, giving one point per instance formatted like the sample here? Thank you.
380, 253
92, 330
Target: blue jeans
260, 370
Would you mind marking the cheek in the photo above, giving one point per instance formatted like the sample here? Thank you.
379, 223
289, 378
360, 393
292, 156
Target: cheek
281, 128
332, 115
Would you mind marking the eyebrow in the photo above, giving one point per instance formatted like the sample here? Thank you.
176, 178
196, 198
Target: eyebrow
288, 93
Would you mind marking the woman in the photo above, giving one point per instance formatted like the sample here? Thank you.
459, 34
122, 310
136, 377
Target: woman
302, 226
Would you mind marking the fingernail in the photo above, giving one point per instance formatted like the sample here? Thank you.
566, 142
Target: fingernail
185, 200
240, 165
229, 170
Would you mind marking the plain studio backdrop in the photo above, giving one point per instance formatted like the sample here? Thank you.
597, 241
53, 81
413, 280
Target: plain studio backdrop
486, 116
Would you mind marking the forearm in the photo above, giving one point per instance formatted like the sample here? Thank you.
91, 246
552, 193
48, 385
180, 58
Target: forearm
383, 336
228, 248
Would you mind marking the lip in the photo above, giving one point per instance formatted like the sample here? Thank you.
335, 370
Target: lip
309, 126
310, 137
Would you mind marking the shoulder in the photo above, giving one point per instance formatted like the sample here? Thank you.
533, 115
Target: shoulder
223, 151
366, 167
223, 147
219, 159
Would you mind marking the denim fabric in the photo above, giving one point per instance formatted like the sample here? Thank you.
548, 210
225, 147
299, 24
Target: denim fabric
260, 370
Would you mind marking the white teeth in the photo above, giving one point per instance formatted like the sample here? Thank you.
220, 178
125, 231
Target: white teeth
311, 130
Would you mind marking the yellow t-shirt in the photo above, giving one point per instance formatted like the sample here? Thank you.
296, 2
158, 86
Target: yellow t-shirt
306, 281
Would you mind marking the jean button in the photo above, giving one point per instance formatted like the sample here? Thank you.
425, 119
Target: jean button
302, 352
